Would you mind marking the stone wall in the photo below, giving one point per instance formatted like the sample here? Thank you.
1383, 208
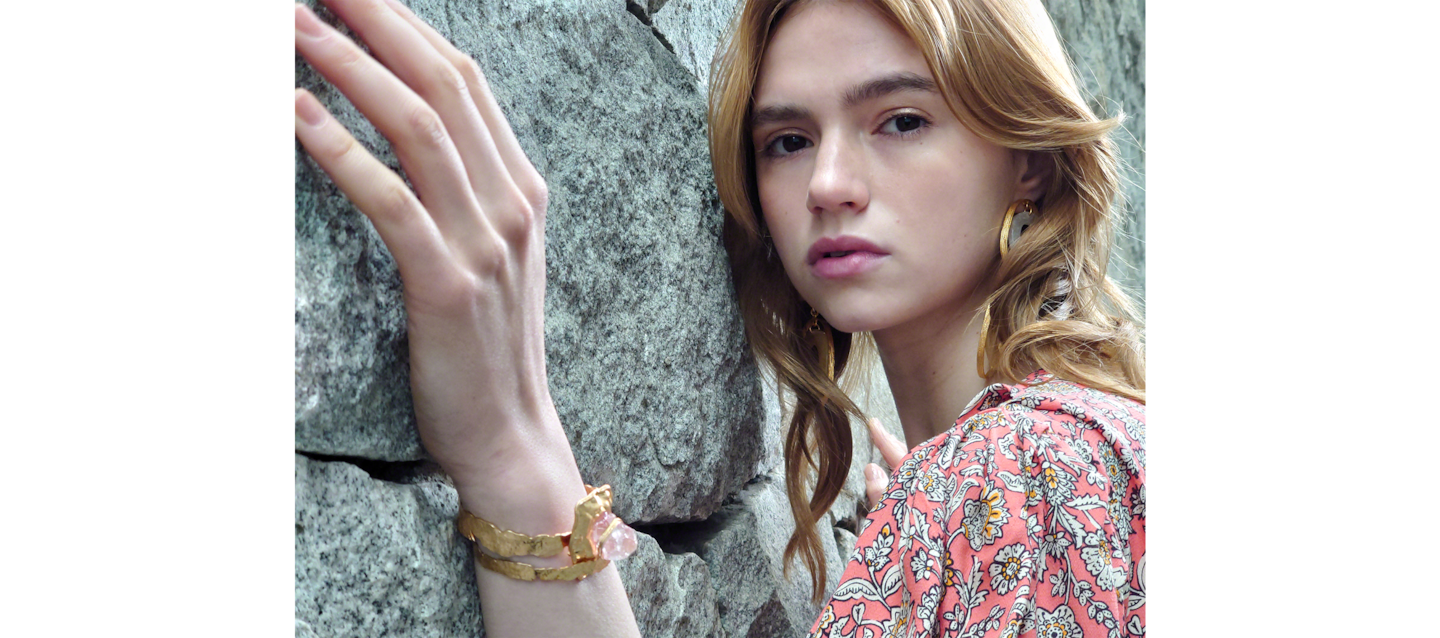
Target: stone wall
650, 372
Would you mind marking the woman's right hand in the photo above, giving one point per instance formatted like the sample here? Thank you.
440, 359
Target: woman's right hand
468, 241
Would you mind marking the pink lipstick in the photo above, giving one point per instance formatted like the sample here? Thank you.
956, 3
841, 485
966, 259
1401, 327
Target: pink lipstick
843, 257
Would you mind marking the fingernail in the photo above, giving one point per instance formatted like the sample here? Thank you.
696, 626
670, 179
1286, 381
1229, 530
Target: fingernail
872, 472
307, 23
308, 108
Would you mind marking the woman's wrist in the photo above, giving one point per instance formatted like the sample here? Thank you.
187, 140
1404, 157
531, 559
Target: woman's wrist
531, 487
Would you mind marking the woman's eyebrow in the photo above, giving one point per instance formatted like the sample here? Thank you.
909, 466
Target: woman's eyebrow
863, 92
887, 84
779, 113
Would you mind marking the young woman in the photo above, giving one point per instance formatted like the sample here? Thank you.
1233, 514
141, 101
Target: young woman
924, 171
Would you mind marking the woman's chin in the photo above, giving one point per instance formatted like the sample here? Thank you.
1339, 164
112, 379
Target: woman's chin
858, 321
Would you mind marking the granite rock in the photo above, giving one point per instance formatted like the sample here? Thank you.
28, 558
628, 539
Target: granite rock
649, 369
376, 557
742, 546
694, 28
1106, 41
671, 594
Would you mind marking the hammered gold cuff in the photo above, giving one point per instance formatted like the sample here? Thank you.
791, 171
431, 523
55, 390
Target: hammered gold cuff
507, 543
525, 571
591, 546
504, 542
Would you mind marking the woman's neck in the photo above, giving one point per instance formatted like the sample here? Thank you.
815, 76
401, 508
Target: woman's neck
930, 364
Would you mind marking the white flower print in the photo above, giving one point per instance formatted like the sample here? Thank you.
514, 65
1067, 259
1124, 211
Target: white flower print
938, 486
877, 553
951, 453
1059, 623
1011, 565
922, 565
1055, 542
1136, 599
985, 458
1057, 485
1135, 627
984, 517
1097, 553
1137, 508
929, 602
907, 472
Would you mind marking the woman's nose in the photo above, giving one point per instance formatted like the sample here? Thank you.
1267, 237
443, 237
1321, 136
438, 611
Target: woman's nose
839, 181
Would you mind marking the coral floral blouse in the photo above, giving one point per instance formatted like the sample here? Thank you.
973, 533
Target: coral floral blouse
1025, 519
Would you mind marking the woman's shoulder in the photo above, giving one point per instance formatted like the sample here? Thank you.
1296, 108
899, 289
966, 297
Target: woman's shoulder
1040, 412
1028, 514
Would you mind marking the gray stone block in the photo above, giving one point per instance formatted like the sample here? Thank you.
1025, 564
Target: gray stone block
694, 29
379, 558
671, 594
742, 545
1106, 41
649, 368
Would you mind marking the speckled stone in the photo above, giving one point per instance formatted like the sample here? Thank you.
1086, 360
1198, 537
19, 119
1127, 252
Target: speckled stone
742, 546
694, 28
671, 594
648, 366
377, 558
1106, 41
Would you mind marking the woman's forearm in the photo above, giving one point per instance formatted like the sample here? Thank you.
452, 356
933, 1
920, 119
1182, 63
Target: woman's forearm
537, 495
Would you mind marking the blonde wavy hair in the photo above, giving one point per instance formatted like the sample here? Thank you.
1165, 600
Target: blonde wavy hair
1001, 69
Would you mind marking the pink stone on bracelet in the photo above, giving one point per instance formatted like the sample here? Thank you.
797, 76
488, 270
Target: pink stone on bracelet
621, 541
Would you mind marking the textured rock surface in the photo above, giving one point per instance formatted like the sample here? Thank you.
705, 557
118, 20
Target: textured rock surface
375, 557
742, 545
694, 28
1106, 41
671, 594
646, 383
650, 371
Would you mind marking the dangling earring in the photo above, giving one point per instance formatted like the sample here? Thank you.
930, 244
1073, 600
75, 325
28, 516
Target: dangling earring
818, 332
1017, 218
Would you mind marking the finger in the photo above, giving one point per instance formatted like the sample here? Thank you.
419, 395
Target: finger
875, 482
521, 170
375, 189
414, 129
891, 448
412, 57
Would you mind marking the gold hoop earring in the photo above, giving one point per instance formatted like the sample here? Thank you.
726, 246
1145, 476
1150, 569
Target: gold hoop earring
980, 367
1017, 218
818, 332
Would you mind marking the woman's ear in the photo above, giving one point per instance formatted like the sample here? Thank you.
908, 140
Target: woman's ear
1036, 170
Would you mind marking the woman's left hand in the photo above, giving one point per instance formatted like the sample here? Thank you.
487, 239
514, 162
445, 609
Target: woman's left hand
891, 450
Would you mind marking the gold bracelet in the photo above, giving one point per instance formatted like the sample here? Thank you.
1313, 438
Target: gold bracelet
585, 554
507, 543
526, 571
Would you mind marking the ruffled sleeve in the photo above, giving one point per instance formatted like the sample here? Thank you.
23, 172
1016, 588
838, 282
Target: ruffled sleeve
1027, 518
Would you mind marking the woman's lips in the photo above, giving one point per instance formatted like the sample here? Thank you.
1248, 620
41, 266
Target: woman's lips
850, 265
843, 257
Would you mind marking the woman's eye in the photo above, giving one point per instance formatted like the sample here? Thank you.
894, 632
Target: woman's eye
904, 123
787, 144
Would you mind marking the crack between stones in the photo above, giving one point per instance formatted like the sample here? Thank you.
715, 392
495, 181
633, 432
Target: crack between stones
690, 537
399, 472
643, 16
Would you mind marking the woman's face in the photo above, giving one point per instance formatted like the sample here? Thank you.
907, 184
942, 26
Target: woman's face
857, 151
